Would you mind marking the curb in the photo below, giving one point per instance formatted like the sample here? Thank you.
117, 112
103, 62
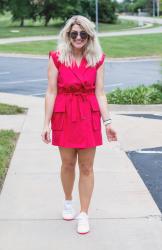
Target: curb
138, 107
120, 59
24, 100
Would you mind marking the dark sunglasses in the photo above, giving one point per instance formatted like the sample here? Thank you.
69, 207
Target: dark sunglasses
74, 34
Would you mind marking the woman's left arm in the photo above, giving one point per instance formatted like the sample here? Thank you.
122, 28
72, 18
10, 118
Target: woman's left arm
102, 101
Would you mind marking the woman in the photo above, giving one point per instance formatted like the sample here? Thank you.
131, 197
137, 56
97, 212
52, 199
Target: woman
74, 104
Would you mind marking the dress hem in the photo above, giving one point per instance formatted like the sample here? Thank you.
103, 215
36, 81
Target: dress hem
92, 146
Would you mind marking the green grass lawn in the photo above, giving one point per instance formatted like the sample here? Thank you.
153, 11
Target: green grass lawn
36, 48
135, 45
8, 140
120, 25
9, 28
6, 32
121, 46
6, 109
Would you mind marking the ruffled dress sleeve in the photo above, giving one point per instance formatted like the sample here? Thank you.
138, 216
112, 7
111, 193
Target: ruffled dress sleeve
101, 61
54, 55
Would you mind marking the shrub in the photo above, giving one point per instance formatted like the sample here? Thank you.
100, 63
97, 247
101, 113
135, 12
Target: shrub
136, 95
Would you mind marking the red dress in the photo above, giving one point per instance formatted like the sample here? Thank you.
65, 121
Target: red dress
76, 118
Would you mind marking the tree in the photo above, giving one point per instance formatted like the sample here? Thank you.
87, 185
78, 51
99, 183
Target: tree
69, 8
3, 5
21, 9
106, 9
149, 6
160, 6
49, 9
134, 5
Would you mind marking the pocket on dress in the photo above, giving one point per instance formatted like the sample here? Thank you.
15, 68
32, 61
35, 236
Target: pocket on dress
96, 120
96, 114
57, 120
58, 116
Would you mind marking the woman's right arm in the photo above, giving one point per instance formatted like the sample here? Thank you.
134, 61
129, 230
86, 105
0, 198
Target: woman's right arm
49, 99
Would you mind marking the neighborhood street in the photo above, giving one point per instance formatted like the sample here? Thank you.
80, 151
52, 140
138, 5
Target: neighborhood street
28, 76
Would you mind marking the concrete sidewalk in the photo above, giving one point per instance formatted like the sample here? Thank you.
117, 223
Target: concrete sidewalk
123, 214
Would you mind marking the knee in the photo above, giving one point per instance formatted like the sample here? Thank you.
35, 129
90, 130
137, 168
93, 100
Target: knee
68, 165
86, 169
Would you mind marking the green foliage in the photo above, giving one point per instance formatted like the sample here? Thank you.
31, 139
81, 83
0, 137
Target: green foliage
69, 8
47, 9
3, 5
140, 4
137, 95
21, 10
38, 9
106, 10
6, 109
160, 6
52, 9
158, 86
133, 6
7, 144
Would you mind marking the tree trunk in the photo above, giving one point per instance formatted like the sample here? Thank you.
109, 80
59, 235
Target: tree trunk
46, 23
22, 22
47, 19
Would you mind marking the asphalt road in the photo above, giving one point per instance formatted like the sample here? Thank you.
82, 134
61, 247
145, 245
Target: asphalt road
28, 76
148, 163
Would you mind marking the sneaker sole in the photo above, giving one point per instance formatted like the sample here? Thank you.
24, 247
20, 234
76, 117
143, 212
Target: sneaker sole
84, 232
68, 219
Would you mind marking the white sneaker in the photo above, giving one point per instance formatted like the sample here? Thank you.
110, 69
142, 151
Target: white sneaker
68, 212
83, 223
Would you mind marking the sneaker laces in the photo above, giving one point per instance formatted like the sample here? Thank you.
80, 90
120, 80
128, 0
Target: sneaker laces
68, 208
82, 219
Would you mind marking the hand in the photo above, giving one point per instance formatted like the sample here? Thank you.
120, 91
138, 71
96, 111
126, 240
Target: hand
111, 134
46, 134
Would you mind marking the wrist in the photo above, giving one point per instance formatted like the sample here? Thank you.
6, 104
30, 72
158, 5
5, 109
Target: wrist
46, 125
107, 121
108, 126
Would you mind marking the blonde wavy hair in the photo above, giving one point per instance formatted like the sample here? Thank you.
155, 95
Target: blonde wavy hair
91, 51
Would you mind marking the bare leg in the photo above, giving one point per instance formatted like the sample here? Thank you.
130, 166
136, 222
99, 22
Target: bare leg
86, 179
68, 157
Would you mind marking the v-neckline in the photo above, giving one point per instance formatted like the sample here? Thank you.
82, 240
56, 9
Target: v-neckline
80, 64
